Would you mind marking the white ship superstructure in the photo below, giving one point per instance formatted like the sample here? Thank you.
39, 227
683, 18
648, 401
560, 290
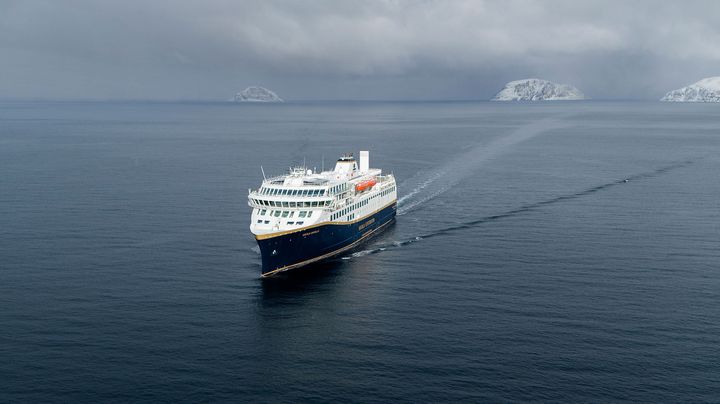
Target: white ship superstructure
304, 204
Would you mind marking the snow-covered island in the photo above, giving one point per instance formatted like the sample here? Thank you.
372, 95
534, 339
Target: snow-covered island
537, 90
256, 94
705, 90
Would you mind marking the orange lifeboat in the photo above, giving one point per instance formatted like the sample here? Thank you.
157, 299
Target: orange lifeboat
363, 185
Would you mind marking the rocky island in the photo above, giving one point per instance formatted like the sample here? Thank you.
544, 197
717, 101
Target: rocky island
537, 90
705, 90
256, 94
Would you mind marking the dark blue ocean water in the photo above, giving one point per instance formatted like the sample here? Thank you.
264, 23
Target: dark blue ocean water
523, 265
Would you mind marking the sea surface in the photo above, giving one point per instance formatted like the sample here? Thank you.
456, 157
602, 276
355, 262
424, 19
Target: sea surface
563, 251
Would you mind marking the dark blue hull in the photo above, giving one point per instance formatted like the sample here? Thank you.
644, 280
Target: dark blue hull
305, 246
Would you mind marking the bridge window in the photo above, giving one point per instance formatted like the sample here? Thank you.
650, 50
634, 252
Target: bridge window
277, 213
285, 213
301, 214
262, 212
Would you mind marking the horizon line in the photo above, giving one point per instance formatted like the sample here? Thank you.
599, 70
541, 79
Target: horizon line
294, 101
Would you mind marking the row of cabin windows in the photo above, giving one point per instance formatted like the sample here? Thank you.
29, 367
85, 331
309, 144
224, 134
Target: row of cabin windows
339, 188
387, 191
292, 192
351, 208
285, 213
299, 222
291, 204
354, 206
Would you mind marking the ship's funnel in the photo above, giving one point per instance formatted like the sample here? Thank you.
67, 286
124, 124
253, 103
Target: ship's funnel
364, 160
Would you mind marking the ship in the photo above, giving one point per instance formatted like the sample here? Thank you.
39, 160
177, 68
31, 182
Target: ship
304, 217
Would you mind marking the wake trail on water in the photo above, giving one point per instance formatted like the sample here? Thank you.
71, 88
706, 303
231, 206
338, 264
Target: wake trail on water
520, 210
429, 185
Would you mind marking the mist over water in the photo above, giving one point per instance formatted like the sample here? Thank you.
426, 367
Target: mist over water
542, 252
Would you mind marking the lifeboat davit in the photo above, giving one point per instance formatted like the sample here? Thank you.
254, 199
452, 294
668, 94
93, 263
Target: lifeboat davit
363, 185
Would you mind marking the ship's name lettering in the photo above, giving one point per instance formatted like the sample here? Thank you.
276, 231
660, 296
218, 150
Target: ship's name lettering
311, 233
366, 224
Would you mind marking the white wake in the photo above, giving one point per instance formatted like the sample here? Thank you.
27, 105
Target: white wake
430, 185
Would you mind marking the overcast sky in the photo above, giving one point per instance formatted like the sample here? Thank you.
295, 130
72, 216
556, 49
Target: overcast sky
332, 49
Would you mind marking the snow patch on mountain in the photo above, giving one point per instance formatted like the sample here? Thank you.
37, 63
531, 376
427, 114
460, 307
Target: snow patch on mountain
256, 94
537, 90
705, 90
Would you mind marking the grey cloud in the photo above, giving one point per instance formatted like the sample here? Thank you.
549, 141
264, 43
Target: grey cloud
346, 49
